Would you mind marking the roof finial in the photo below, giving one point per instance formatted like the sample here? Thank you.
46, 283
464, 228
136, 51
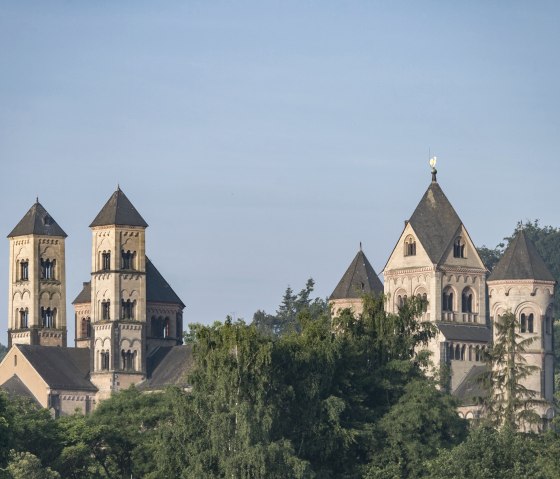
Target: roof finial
37, 199
360, 246
118, 187
433, 161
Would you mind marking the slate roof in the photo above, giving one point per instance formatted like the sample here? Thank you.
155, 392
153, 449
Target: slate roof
471, 390
360, 278
118, 211
169, 366
16, 388
465, 332
85, 294
157, 289
521, 261
435, 222
60, 368
39, 222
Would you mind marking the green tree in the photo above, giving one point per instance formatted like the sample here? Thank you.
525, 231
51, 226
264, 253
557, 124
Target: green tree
510, 403
24, 465
3, 351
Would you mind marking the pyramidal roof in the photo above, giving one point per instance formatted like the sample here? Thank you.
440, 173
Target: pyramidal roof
37, 221
360, 278
521, 261
118, 211
435, 222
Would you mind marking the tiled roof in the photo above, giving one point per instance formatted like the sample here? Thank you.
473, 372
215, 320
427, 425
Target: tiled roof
85, 294
157, 288
465, 332
169, 366
16, 388
60, 368
435, 222
360, 278
521, 261
39, 222
471, 389
118, 211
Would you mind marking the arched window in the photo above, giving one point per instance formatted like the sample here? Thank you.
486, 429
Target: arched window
128, 360
459, 248
530, 323
47, 268
463, 350
447, 300
477, 354
458, 352
471, 353
106, 310
410, 246
127, 309
86, 327
523, 323
105, 360
24, 270
467, 301
166, 328
548, 325
106, 260
127, 259
23, 318
48, 317
451, 352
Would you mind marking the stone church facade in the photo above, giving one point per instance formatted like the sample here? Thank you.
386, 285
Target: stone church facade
435, 258
129, 321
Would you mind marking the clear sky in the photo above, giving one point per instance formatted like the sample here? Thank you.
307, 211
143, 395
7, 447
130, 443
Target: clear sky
262, 141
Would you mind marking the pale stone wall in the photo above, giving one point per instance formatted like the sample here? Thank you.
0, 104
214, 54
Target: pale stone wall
354, 304
82, 312
530, 297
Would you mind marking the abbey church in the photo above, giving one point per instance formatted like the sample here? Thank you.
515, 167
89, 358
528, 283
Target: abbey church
129, 321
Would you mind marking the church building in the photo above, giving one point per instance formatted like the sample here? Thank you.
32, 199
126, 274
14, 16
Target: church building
435, 259
129, 321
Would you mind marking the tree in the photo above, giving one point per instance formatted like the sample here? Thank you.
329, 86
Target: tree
3, 351
510, 403
24, 465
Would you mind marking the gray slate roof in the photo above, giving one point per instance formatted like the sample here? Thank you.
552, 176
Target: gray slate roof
118, 211
16, 388
521, 261
471, 390
465, 332
60, 368
85, 294
39, 222
435, 222
360, 278
157, 289
169, 366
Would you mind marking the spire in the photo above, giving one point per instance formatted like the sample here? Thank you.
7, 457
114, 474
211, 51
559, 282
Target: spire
37, 221
521, 260
360, 278
118, 211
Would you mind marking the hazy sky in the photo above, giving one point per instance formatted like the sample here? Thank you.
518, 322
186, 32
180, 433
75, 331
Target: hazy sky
262, 141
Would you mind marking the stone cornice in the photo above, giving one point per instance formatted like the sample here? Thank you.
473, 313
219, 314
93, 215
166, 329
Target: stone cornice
461, 270
406, 271
500, 282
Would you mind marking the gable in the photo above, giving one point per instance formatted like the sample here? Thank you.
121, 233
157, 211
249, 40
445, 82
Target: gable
400, 260
471, 257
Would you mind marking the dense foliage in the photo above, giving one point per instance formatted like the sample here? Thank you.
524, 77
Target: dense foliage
3, 351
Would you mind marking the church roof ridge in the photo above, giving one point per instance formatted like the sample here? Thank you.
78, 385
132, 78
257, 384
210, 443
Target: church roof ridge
359, 278
118, 211
37, 221
521, 260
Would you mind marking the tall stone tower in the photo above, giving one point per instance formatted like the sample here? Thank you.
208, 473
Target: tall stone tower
522, 284
37, 284
118, 296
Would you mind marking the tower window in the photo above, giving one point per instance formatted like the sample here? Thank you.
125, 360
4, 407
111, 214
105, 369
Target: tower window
47, 268
24, 271
23, 318
527, 323
459, 248
106, 261
104, 360
127, 309
127, 259
86, 328
467, 301
447, 300
128, 358
410, 246
47, 317
106, 310
166, 328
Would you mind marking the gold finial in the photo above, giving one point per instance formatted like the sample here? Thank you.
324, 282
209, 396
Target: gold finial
433, 161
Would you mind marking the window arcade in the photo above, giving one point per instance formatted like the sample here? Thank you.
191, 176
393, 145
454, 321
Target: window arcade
459, 248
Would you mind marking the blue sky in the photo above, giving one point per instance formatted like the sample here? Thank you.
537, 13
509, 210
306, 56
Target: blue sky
262, 141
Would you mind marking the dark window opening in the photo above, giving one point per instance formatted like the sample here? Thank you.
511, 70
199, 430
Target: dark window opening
86, 328
47, 268
447, 301
459, 248
467, 302
23, 318
106, 261
128, 360
24, 271
523, 323
127, 259
530, 323
106, 310
47, 317
104, 360
410, 247
127, 308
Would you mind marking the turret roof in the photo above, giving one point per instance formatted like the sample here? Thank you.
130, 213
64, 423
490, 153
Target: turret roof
521, 261
118, 211
360, 278
37, 221
435, 222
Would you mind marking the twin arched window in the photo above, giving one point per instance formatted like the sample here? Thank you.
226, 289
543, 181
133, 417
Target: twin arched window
447, 300
48, 317
127, 259
467, 301
85, 328
127, 309
106, 310
410, 246
106, 260
48, 268
23, 318
128, 360
104, 360
527, 323
459, 248
24, 270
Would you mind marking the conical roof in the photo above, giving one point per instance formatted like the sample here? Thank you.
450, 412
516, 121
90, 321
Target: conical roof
37, 221
157, 288
360, 278
435, 222
118, 211
521, 260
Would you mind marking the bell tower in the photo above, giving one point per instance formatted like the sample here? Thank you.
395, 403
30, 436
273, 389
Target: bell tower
118, 296
37, 284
